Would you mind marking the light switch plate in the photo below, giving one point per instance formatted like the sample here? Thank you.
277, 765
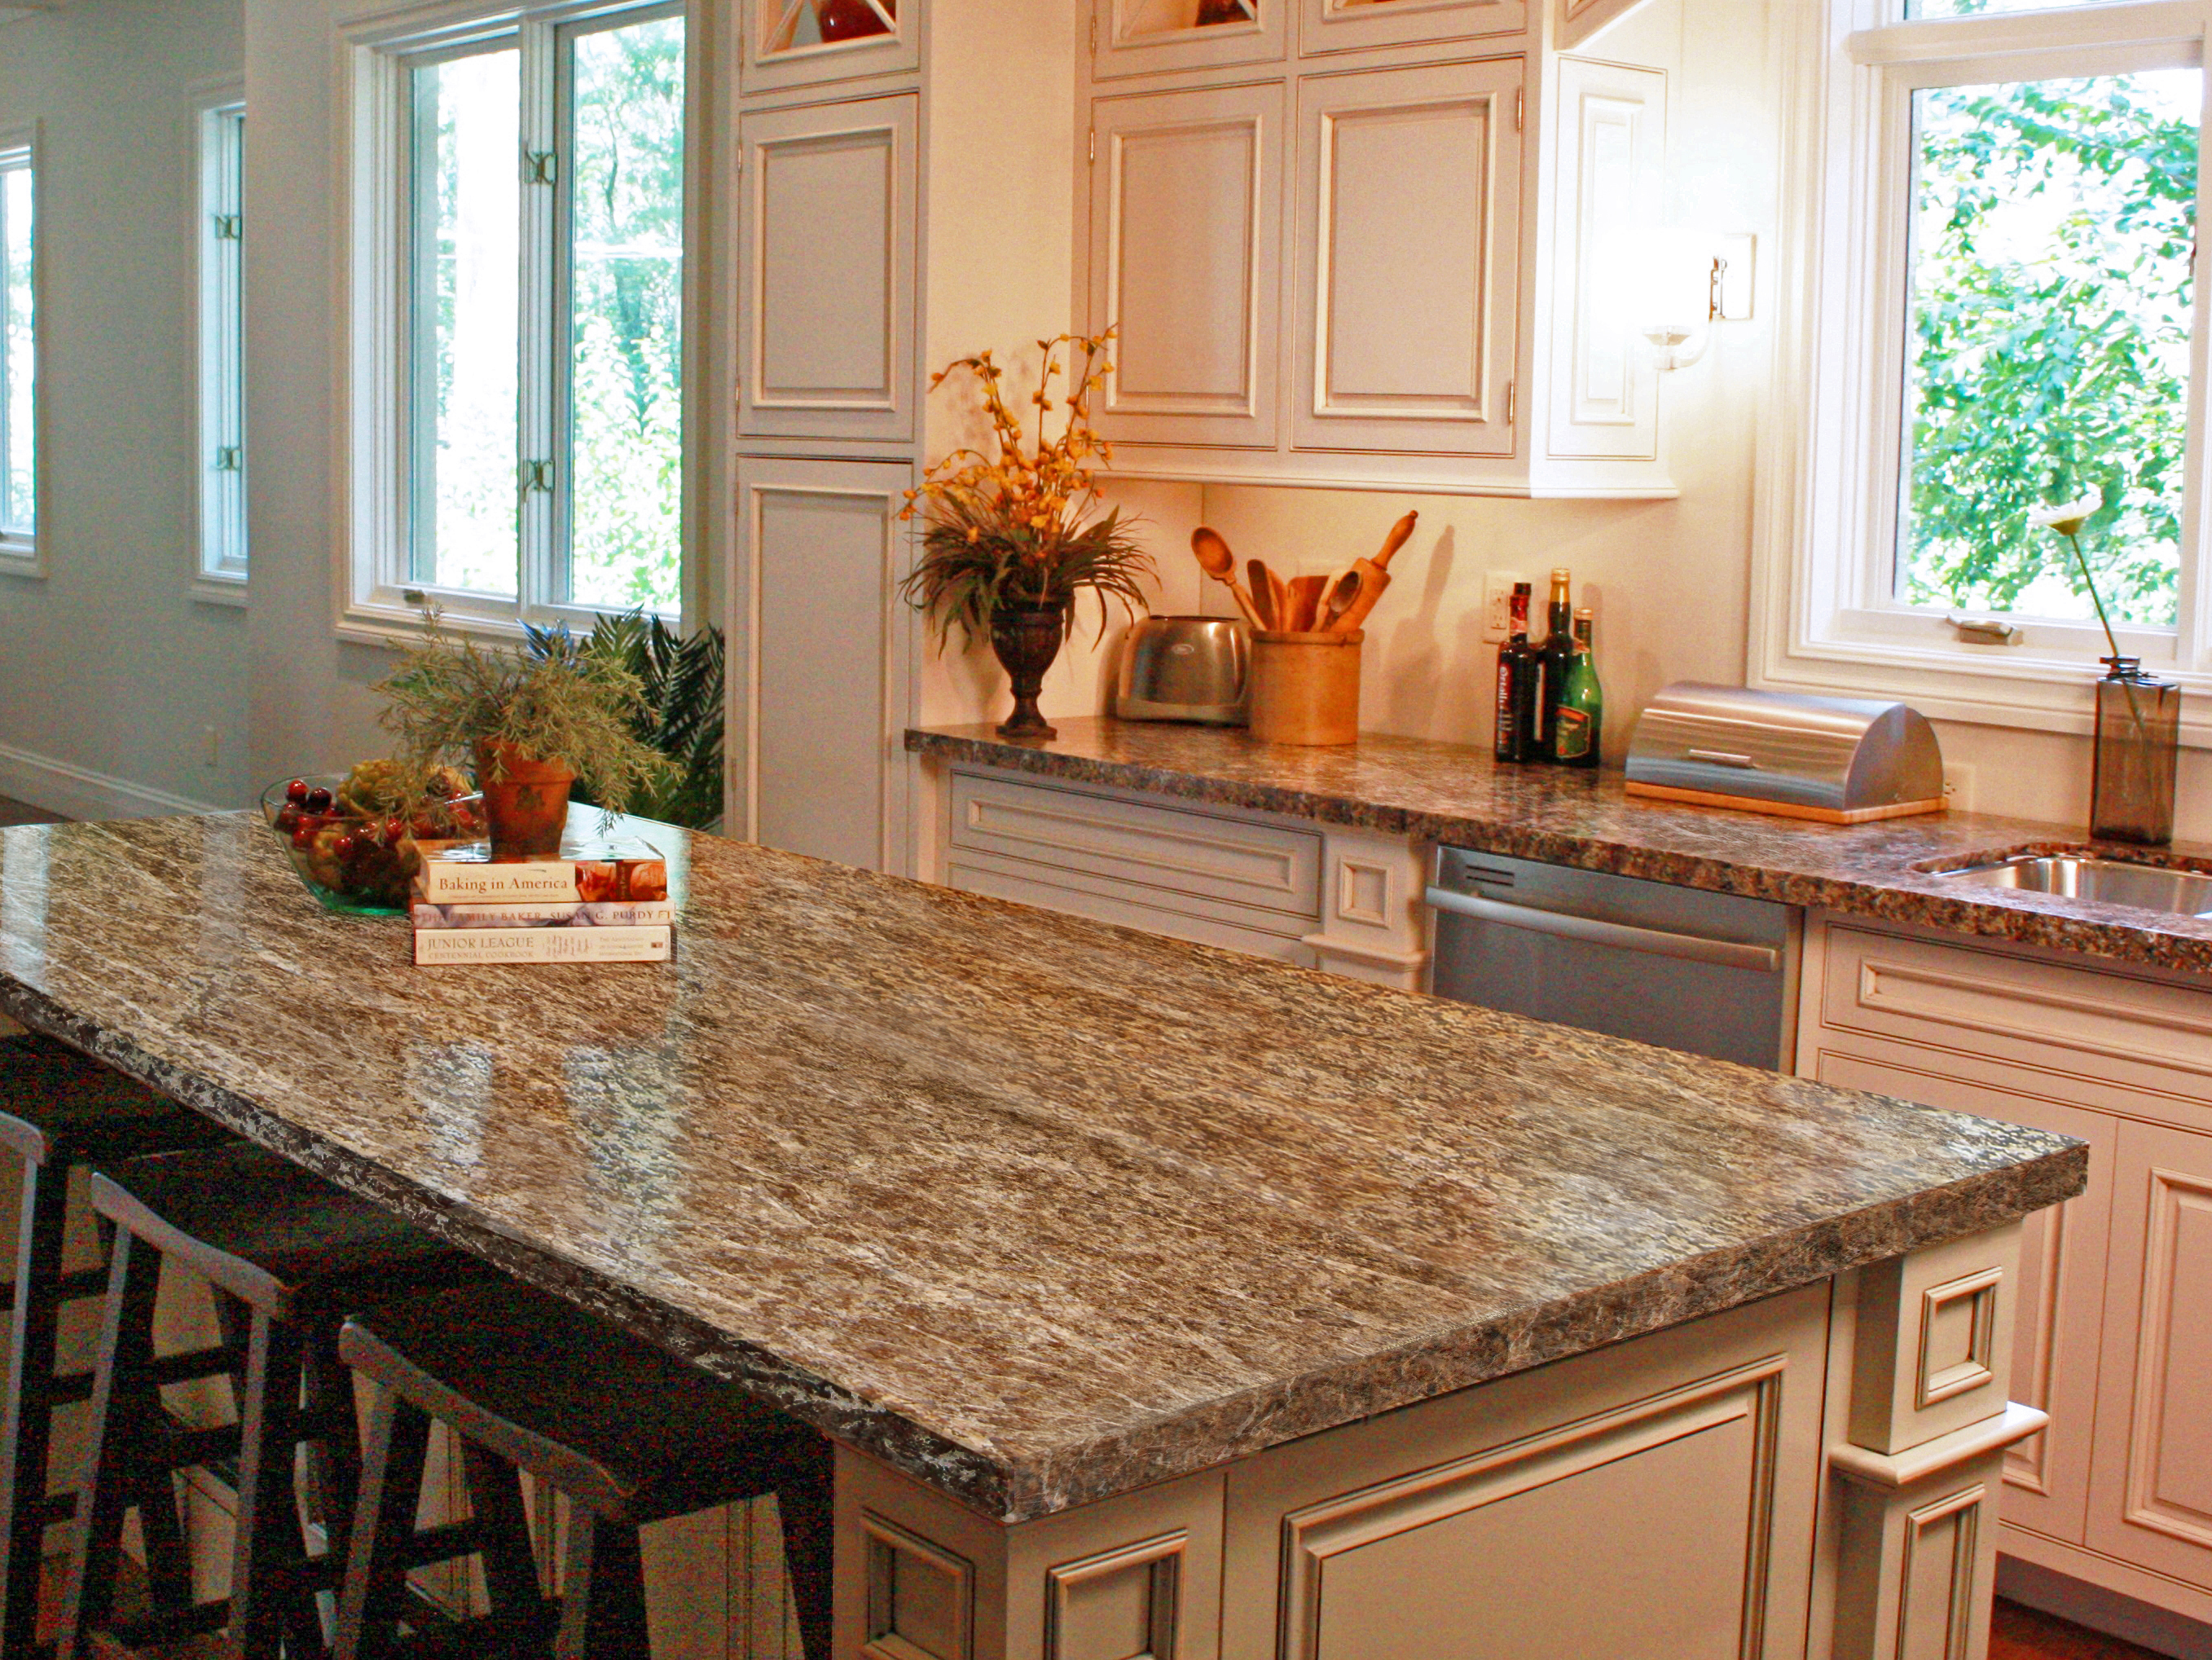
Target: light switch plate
1498, 602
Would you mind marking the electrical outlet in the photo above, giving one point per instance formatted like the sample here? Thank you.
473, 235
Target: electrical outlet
1498, 602
214, 752
1959, 787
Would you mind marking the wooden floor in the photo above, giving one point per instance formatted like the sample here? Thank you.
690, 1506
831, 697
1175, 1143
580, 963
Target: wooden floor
2019, 1633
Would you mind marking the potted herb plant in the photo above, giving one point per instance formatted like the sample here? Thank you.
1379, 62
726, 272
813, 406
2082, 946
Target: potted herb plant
1014, 536
528, 724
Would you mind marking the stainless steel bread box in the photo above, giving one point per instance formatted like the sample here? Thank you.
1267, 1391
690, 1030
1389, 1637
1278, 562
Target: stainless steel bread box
1838, 759
1186, 668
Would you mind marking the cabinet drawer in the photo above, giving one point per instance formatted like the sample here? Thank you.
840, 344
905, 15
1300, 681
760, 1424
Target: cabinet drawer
1150, 852
1202, 921
2069, 1021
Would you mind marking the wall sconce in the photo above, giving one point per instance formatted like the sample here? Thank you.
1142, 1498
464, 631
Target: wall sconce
1699, 278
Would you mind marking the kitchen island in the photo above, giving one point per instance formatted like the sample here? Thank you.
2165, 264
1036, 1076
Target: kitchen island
1149, 1291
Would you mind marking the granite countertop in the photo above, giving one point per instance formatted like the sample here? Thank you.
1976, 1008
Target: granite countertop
1457, 795
1033, 1208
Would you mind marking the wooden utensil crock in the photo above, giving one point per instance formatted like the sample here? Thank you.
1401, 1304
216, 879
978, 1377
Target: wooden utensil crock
1305, 687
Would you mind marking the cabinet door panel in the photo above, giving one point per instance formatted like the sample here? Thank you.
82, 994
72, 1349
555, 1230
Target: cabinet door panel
1144, 37
793, 43
826, 314
826, 653
1612, 128
2151, 1502
2061, 1275
1408, 245
1348, 24
1186, 220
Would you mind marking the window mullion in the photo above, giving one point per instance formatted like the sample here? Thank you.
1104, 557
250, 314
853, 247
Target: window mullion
540, 164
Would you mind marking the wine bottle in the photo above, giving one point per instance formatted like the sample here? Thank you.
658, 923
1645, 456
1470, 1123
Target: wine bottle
1516, 685
1552, 657
1578, 721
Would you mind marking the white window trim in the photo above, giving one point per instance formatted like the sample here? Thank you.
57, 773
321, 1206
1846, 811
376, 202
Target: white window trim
1829, 453
21, 555
209, 580
372, 605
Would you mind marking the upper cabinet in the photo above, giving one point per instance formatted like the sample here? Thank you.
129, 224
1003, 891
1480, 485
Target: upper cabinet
799, 42
1373, 242
1146, 37
1351, 25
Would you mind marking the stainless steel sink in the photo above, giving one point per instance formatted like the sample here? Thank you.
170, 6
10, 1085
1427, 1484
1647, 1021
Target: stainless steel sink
2099, 881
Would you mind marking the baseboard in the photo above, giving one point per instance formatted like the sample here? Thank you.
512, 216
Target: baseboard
2116, 1598
75, 792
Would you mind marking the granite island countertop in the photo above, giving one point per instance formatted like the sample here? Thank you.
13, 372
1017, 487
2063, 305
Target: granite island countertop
1457, 794
1034, 1209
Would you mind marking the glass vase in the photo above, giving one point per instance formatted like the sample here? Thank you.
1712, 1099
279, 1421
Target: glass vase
2138, 746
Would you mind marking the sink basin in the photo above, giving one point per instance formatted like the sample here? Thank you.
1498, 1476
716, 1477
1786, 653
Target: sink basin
2099, 881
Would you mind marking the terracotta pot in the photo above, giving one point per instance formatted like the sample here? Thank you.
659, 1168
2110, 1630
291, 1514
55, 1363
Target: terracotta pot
1026, 639
525, 801
1305, 688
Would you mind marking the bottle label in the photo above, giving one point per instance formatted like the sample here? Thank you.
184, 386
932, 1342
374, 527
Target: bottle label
1570, 736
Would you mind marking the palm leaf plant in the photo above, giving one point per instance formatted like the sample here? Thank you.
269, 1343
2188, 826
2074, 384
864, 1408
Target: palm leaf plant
678, 712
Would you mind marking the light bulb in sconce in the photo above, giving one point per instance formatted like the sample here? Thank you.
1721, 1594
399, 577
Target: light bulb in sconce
1693, 280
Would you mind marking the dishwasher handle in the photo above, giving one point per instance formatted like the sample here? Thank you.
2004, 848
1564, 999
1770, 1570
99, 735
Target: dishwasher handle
1727, 953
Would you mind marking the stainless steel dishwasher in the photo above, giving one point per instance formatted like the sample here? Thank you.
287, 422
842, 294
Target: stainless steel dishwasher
1710, 973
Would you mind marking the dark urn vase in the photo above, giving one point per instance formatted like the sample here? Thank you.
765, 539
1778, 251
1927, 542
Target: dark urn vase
1026, 639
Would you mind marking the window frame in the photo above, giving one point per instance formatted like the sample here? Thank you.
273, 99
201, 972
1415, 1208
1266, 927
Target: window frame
1825, 617
378, 600
23, 554
221, 554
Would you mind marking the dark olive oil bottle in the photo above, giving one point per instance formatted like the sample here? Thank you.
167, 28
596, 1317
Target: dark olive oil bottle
1516, 685
1552, 658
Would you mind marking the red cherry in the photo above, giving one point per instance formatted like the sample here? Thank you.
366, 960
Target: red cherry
287, 818
319, 800
304, 837
347, 847
395, 832
296, 791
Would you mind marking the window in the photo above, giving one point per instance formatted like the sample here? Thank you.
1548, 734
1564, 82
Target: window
19, 352
533, 311
1999, 222
221, 244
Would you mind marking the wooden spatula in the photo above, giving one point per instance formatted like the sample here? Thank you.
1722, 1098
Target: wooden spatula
1271, 594
1305, 604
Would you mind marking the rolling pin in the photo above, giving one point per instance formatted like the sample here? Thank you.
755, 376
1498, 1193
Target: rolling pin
1374, 576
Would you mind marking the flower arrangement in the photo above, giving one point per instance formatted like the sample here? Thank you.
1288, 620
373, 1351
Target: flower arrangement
1020, 529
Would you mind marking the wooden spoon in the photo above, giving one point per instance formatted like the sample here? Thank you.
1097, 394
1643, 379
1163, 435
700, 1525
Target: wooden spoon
1305, 604
1271, 594
1336, 599
1210, 548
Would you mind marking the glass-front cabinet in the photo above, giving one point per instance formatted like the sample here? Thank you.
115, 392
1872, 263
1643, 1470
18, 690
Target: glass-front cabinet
1144, 37
792, 43
1350, 25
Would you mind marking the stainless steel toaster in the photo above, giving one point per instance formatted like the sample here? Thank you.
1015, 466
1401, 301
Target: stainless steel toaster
1186, 668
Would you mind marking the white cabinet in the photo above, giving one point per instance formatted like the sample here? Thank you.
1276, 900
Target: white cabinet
1458, 241
826, 321
819, 551
1409, 186
1321, 895
1187, 184
798, 43
2114, 1338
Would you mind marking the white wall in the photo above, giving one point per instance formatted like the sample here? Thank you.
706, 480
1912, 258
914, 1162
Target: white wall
113, 676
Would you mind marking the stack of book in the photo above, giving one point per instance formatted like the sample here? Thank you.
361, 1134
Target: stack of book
594, 901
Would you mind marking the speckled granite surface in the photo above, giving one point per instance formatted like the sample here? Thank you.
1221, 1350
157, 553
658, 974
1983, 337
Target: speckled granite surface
1036, 1209
1451, 794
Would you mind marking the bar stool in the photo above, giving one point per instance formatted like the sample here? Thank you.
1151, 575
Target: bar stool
57, 1110
287, 1255
629, 1434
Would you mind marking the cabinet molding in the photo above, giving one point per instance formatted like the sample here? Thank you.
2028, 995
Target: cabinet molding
1353, 25
826, 330
1185, 185
1134, 1588
1409, 186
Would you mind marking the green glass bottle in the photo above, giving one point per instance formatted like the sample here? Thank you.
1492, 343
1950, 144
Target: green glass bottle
1578, 733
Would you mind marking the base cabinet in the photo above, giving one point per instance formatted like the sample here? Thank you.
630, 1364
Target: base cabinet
2114, 1338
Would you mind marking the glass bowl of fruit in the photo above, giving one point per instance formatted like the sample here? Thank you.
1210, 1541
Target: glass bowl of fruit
353, 837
